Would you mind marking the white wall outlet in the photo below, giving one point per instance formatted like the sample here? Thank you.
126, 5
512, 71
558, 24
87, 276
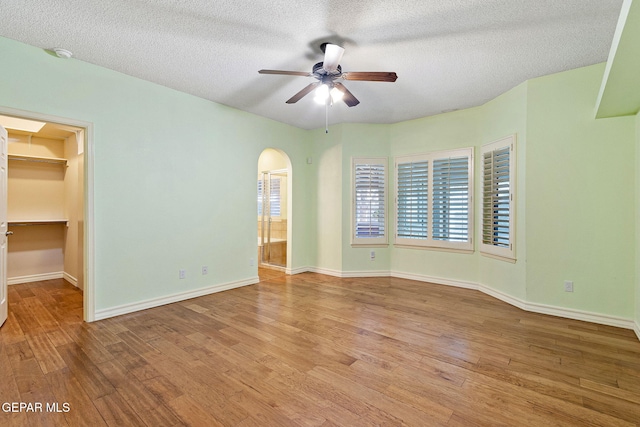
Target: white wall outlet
205, 270
182, 274
372, 254
251, 262
568, 286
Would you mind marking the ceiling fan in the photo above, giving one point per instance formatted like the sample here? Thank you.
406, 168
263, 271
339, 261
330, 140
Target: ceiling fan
327, 72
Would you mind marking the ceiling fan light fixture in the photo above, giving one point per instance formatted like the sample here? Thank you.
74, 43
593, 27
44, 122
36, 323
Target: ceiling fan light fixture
327, 90
321, 94
336, 95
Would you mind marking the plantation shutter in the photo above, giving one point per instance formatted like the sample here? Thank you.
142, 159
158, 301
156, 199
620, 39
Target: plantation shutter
450, 199
434, 194
496, 218
413, 202
259, 197
498, 168
370, 200
274, 197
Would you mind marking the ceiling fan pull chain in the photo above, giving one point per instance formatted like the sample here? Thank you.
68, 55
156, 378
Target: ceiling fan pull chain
326, 117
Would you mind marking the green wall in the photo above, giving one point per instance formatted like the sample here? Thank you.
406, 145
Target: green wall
360, 140
459, 129
506, 115
580, 197
571, 170
331, 203
163, 163
325, 195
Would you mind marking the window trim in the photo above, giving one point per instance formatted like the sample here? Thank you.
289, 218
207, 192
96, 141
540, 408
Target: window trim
429, 242
381, 241
492, 250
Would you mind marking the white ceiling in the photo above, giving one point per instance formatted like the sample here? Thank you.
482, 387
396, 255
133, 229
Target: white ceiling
448, 54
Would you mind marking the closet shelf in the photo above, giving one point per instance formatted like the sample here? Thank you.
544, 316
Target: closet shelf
25, 222
38, 159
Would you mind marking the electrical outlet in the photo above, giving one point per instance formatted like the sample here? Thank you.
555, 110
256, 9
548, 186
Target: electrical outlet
251, 262
372, 254
205, 270
182, 274
568, 286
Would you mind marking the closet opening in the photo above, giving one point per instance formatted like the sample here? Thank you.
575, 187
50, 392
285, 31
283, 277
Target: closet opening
46, 204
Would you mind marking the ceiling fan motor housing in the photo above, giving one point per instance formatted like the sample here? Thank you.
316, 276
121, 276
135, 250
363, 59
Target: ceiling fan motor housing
319, 71
328, 71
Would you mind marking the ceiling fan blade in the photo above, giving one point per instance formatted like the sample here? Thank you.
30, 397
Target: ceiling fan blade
286, 73
370, 76
347, 96
298, 96
332, 56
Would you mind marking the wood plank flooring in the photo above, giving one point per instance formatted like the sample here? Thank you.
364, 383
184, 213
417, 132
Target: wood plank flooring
314, 350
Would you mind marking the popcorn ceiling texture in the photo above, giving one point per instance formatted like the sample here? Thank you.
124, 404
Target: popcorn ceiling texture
449, 54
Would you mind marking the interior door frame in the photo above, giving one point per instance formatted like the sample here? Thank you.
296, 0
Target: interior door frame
89, 306
4, 227
266, 207
290, 214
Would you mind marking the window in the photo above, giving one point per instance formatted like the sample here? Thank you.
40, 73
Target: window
273, 196
412, 198
434, 199
498, 187
369, 220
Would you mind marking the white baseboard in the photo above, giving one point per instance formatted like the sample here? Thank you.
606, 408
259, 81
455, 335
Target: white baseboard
69, 278
371, 273
43, 276
327, 271
436, 280
35, 278
346, 274
568, 313
586, 316
298, 270
509, 299
517, 302
156, 302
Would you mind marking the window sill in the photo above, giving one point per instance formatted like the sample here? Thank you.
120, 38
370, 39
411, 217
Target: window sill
369, 245
434, 248
498, 257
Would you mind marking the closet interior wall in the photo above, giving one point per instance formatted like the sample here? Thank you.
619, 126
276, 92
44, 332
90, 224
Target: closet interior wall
45, 205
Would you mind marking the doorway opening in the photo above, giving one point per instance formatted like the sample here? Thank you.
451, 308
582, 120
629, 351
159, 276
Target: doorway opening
274, 204
47, 200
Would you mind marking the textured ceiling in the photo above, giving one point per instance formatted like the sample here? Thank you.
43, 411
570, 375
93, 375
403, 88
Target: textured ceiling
448, 54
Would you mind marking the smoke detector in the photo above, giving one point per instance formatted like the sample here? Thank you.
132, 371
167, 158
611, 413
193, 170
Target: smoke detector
62, 53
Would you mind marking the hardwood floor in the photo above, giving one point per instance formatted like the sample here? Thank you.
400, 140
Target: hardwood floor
314, 350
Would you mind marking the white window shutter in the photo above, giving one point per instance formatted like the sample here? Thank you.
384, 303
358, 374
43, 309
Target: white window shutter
450, 195
434, 200
274, 197
498, 218
369, 201
412, 199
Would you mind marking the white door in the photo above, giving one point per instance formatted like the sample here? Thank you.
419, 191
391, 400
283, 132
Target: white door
4, 228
